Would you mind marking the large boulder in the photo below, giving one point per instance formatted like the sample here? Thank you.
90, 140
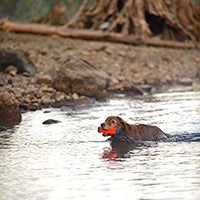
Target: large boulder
9, 112
79, 76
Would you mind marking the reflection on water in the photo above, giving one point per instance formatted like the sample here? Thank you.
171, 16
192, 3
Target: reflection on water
71, 160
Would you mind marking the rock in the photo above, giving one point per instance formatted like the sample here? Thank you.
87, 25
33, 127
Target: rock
11, 70
75, 96
20, 60
197, 59
132, 90
135, 68
10, 81
196, 85
46, 99
198, 73
51, 121
47, 79
60, 96
79, 76
9, 112
186, 81
26, 74
47, 89
47, 111
146, 88
51, 72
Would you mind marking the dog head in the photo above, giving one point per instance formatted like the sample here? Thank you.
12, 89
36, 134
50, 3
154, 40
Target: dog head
113, 122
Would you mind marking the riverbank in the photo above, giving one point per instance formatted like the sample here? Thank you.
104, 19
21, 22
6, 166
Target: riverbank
107, 67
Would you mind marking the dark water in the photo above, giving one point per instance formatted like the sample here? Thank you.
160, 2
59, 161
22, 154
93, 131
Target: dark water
71, 160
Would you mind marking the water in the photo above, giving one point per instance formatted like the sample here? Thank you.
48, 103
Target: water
70, 160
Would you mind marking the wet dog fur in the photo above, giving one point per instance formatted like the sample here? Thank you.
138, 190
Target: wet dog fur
139, 132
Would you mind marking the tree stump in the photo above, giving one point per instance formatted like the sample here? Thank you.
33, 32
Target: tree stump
168, 19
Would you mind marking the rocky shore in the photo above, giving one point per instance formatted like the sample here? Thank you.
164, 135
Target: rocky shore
44, 71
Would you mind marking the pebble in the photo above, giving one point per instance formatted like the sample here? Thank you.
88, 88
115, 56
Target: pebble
186, 81
47, 79
47, 89
26, 74
60, 97
75, 96
47, 100
12, 70
146, 88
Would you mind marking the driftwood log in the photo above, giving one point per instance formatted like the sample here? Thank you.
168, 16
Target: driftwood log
90, 35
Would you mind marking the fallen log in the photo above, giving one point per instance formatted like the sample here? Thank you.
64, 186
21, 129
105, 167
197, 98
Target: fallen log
90, 35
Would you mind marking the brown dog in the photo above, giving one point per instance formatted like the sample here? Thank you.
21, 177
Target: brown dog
134, 132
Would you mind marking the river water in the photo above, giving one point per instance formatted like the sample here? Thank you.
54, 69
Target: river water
71, 160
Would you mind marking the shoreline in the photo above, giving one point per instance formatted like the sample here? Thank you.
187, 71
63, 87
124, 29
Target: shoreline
132, 70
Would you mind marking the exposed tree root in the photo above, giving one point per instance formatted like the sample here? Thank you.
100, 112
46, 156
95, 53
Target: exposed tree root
168, 19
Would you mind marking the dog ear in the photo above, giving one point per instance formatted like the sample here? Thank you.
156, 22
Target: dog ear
124, 125
119, 118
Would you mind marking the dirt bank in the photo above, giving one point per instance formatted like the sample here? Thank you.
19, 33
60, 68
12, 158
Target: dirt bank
125, 68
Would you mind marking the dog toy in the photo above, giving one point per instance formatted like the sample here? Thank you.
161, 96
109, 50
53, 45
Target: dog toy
110, 131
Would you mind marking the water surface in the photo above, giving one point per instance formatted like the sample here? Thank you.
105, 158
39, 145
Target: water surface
71, 160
